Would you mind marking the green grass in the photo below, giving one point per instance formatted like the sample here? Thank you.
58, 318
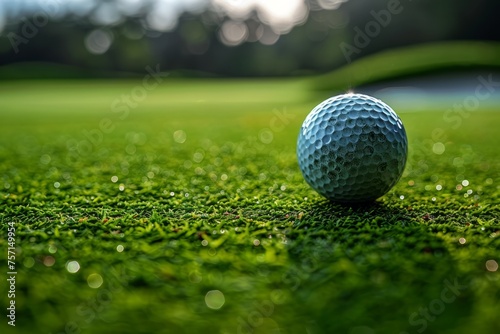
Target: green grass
209, 197
414, 60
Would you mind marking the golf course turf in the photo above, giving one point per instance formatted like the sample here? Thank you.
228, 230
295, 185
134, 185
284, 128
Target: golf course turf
183, 210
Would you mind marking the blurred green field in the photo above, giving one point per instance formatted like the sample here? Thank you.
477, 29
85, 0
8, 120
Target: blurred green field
195, 188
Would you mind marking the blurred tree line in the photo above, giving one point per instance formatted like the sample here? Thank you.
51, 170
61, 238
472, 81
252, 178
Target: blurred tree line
327, 40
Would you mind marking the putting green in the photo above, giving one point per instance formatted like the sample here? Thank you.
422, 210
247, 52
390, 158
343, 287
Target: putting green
181, 209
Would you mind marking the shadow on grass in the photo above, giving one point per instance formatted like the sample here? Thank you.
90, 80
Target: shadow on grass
378, 266
327, 214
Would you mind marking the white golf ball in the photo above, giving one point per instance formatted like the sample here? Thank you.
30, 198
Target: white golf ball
352, 148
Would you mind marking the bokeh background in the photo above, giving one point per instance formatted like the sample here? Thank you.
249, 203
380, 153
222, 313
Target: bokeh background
139, 203
221, 37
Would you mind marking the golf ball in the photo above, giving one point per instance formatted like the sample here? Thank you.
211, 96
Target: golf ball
352, 148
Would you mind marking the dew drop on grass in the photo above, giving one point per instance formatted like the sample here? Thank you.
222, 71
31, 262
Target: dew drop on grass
72, 267
215, 299
491, 265
49, 261
438, 148
95, 281
180, 136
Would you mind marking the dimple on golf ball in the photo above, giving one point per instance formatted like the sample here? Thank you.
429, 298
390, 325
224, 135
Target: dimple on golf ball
352, 148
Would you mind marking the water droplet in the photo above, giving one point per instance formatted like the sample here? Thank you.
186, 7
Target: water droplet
439, 187
114, 179
180, 136
198, 156
120, 248
95, 281
57, 185
215, 299
465, 183
462, 241
49, 261
438, 148
72, 267
491, 265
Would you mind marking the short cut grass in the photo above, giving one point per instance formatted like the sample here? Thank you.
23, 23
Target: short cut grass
128, 215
